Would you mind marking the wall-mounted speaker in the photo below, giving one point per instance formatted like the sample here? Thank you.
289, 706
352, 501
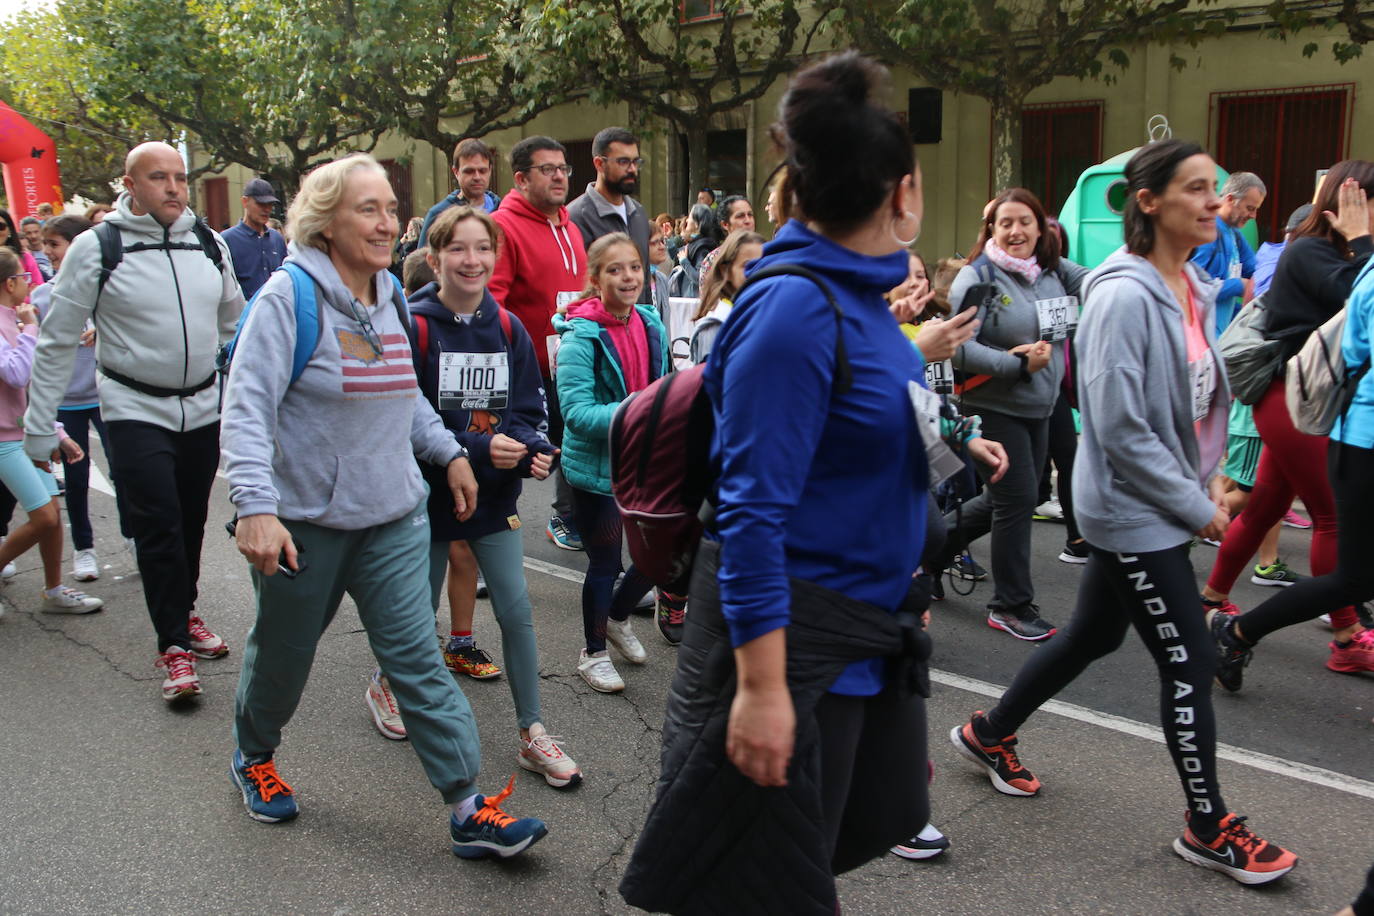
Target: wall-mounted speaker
925, 113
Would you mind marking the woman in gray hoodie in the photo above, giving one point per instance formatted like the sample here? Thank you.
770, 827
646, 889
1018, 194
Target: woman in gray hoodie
1154, 398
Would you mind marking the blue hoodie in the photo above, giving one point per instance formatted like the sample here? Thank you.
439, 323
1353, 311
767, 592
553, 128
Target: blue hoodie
814, 485
522, 416
490, 201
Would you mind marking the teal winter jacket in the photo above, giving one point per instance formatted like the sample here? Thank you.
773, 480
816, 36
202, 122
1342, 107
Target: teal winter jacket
591, 386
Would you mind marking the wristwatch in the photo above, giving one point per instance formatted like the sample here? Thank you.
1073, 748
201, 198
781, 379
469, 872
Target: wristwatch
1025, 367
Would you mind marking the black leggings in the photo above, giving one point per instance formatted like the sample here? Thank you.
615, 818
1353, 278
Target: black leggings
874, 791
1063, 449
1155, 593
601, 530
1351, 470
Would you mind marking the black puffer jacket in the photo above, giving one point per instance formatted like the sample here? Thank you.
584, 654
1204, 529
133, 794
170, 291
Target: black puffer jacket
753, 849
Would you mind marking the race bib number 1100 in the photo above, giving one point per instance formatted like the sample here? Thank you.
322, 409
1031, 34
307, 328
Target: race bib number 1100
473, 381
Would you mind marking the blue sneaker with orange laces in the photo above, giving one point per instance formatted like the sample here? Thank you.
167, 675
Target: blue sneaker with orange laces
489, 831
265, 794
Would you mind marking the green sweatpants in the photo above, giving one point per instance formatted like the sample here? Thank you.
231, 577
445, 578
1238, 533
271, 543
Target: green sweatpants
501, 558
386, 571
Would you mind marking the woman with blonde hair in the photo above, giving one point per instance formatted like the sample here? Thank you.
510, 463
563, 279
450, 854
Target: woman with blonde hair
321, 462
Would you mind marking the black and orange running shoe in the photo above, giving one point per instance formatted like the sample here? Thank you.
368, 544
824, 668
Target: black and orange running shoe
1236, 852
1004, 768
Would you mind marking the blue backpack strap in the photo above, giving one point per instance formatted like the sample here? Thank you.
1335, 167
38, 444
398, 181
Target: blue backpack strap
307, 318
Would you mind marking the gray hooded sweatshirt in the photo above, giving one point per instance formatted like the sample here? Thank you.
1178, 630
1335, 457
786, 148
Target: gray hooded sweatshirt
160, 320
337, 448
1140, 480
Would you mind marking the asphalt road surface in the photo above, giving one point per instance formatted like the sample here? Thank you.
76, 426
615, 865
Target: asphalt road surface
116, 803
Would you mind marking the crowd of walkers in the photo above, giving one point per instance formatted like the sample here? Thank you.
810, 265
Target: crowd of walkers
375, 435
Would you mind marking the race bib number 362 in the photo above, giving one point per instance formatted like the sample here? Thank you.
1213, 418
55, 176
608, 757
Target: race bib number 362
473, 381
1058, 317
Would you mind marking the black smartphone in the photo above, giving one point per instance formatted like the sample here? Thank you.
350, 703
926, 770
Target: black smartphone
231, 526
979, 295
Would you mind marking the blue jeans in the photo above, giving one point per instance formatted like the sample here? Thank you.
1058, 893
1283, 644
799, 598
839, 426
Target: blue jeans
78, 476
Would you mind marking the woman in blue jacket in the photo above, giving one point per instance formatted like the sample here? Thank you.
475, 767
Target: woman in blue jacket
823, 484
610, 349
478, 368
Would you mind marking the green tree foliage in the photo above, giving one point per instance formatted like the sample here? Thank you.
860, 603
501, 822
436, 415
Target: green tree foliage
1001, 50
688, 73
239, 75
1356, 17
43, 76
442, 70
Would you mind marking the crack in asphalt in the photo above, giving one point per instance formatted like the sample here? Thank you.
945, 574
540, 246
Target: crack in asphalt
39, 622
646, 748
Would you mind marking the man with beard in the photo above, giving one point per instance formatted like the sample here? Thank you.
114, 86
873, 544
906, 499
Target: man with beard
607, 206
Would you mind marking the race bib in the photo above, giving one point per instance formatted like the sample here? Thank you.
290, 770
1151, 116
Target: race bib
940, 377
563, 300
941, 461
473, 381
1058, 317
1234, 272
1204, 377
552, 343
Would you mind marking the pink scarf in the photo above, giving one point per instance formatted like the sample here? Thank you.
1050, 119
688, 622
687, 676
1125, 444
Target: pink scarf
1026, 267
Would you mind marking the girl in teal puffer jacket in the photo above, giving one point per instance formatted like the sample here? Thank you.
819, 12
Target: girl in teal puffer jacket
610, 348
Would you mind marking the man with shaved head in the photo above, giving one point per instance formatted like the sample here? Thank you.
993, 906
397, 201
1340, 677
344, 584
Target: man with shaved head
159, 286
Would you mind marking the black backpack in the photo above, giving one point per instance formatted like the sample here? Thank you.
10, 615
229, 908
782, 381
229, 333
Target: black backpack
112, 249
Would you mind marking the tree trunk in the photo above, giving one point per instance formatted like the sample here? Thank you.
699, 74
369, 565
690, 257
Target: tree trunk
1006, 143
698, 171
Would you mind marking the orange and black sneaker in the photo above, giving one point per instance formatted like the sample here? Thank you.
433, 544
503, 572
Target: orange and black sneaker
470, 660
1237, 852
1004, 768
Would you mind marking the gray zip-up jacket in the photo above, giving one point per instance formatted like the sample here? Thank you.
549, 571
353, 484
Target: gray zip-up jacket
1140, 479
1016, 321
594, 217
160, 320
336, 448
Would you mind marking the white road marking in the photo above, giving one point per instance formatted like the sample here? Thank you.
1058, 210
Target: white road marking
1292, 769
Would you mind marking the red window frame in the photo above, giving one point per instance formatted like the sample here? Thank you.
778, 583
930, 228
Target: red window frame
1096, 107
1275, 212
713, 11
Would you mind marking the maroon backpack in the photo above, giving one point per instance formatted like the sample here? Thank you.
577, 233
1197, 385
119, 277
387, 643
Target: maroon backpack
661, 469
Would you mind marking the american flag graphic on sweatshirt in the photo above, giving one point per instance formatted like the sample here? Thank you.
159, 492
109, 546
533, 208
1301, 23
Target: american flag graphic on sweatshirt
365, 375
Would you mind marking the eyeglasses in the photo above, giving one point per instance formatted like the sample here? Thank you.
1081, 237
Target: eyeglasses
374, 340
24, 276
657, 241
548, 170
625, 161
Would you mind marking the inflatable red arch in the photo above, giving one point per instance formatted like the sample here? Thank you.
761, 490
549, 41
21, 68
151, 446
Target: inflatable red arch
29, 158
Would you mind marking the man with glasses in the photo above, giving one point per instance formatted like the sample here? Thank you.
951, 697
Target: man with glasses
539, 270
607, 205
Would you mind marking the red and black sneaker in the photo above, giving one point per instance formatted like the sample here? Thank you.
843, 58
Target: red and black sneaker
1236, 852
1004, 768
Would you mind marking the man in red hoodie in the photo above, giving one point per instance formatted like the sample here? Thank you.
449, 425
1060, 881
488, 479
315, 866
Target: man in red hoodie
539, 270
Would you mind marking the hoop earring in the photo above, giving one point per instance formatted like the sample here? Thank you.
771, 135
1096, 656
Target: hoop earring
906, 243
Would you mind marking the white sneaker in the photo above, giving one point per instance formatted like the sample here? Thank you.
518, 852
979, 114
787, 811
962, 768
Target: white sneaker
205, 644
10, 570
543, 753
386, 715
622, 636
70, 601
1050, 509
181, 680
596, 669
85, 567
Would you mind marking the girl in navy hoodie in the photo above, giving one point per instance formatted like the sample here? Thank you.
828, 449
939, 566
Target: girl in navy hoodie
478, 368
